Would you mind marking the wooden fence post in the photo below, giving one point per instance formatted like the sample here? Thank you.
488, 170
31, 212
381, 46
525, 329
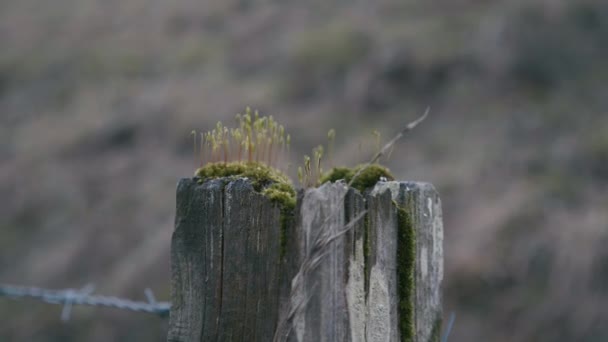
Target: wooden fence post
345, 267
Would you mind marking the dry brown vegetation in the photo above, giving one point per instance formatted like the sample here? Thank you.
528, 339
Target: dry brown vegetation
97, 100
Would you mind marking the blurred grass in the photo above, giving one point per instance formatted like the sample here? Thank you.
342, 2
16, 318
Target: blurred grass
321, 58
97, 102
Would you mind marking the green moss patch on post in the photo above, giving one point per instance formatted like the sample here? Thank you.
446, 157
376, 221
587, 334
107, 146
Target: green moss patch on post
436, 332
287, 216
260, 175
365, 180
366, 253
266, 180
406, 258
281, 193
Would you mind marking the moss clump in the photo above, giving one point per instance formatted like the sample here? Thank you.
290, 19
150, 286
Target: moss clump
406, 257
287, 216
365, 180
366, 253
268, 181
337, 173
281, 193
260, 175
436, 332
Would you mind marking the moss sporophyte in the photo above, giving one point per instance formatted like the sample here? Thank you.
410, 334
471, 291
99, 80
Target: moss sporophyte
257, 149
254, 150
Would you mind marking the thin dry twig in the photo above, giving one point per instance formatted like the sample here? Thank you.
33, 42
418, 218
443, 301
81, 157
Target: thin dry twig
390, 144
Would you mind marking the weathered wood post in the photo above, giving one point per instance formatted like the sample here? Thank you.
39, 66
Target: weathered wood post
344, 267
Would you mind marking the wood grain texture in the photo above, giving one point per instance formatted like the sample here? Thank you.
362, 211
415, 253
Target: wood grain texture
225, 263
230, 282
322, 216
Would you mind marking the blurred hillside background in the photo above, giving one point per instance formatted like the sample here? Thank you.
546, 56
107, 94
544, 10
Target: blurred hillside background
97, 100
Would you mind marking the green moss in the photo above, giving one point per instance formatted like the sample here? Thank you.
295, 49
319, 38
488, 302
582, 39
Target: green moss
336, 174
281, 193
365, 180
268, 181
287, 216
436, 332
260, 175
406, 257
366, 253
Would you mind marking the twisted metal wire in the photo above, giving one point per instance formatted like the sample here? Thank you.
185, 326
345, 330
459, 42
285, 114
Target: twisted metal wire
84, 296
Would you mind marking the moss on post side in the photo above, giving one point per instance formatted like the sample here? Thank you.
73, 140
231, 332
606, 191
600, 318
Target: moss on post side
287, 216
406, 258
366, 252
436, 332
285, 196
260, 175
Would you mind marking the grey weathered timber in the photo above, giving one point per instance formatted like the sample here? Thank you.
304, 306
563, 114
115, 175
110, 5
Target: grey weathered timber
422, 204
344, 274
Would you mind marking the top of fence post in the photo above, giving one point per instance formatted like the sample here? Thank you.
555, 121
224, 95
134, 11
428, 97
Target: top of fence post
346, 267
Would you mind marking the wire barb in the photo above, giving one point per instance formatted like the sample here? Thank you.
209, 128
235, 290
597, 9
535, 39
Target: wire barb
84, 296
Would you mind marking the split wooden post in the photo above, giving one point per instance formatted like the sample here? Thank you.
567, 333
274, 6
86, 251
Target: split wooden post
343, 267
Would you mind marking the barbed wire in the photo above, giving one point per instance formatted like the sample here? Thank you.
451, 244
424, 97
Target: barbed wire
84, 296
